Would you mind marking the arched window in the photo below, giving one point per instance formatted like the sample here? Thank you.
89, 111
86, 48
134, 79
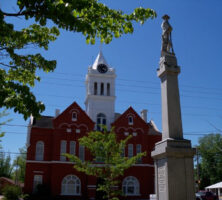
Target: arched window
74, 116
71, 185
102, 89
131, 186
95, 88
39, 150
130, 120
108, 89
101, 120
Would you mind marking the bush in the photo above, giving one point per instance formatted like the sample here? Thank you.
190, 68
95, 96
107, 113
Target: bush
43, 190
11, 192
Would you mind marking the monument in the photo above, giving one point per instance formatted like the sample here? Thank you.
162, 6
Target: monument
173, 156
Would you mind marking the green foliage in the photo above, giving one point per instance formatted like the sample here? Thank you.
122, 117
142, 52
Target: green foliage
18, 71
6, 167
89, 17
210, 149
20, 164
11, 192
2, 115
104, 145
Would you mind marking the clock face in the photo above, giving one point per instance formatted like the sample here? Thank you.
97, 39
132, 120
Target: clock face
102, 68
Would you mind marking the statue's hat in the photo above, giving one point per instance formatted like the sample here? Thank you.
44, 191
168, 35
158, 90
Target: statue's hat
166, 17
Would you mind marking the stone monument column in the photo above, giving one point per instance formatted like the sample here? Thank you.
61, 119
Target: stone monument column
173, 156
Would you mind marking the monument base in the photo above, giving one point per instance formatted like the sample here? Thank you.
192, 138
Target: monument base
174, 172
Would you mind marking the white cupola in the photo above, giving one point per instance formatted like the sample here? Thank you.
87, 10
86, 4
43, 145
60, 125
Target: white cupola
100, 92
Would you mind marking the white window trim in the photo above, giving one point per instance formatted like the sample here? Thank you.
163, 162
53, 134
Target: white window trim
130, 122
101, 117
136, 185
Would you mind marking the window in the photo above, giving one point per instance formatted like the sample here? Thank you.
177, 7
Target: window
131, 186
101, 120
63, 150
72, 147
108, 89
81, 152
102, 89
138, 150
130, 150
39, 151
130, 120
126, 133
71, 185
74, 116
36, 181
95, 88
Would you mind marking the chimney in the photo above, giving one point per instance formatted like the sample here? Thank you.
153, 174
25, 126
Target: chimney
144, 114
57, 112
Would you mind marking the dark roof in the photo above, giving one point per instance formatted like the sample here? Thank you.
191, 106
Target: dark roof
10, 181
43, 122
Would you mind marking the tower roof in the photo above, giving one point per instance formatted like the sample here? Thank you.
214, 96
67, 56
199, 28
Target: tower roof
99, 60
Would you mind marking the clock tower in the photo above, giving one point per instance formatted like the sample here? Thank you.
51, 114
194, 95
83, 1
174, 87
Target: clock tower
100, 92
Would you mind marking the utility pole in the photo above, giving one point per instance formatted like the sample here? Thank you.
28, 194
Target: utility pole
198, 170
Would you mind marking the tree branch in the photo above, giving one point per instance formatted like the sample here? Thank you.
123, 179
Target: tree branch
14, 67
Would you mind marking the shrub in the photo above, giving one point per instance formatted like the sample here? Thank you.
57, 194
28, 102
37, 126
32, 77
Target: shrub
11, 192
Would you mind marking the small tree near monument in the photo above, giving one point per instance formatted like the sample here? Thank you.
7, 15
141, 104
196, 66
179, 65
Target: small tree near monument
108, 161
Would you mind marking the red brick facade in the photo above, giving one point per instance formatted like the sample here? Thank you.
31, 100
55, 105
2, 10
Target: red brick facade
48, 137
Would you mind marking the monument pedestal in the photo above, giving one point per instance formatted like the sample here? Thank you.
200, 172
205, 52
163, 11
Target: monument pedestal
174, 178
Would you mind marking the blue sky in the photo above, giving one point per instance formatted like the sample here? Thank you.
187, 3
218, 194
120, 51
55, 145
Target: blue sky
197, 43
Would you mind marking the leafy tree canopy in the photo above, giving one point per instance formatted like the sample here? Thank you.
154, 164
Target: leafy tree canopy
6, 167
210, 150
108, 151
18, 70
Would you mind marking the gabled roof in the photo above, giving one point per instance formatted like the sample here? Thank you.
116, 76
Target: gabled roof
99, 60
123, 119
65, 116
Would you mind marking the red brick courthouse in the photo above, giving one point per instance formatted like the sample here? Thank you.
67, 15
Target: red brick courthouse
49, 137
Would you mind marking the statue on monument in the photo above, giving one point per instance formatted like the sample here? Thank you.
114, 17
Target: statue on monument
167, 45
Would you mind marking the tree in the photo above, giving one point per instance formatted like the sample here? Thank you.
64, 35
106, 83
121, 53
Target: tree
210, 167
6, 167
3, 114
105, 149
89, 17
19, 164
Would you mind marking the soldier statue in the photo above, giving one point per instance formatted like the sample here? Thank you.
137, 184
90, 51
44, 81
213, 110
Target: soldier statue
167, 45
